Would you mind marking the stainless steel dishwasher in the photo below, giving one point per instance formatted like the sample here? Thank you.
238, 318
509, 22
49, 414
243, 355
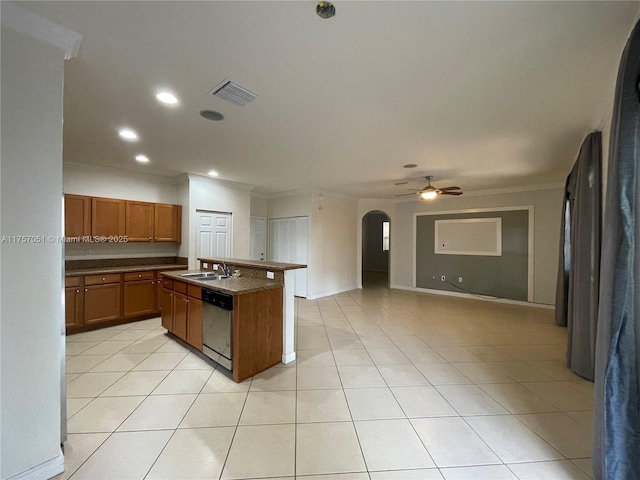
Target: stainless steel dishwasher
217, 332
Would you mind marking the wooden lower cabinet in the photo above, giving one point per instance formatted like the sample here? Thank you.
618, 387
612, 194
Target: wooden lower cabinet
102, 302
180, 306
185, 318
194, 323
74, 302
139, 298
167, 309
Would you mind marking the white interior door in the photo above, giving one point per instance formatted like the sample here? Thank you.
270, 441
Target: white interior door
288, 243
213, 234
258, 238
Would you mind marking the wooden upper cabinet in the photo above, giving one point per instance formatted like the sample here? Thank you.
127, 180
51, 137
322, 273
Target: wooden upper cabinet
167, 223
107, 216
139, 221
77, 216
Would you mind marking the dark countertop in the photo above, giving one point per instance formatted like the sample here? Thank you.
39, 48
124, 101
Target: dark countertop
254, 263
232, 285
131, 268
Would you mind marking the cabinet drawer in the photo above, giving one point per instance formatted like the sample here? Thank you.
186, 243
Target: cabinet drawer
167, 283
129, 277
180, 287
72, 281
194, 291
98, 279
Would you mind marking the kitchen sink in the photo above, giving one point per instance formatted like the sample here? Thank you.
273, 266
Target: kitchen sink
204, 276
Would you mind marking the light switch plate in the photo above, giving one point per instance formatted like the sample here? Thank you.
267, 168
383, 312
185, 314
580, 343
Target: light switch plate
215, 266
205, 264
270, 275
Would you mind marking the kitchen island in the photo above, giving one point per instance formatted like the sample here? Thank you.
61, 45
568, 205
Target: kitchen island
260, 269
254, 333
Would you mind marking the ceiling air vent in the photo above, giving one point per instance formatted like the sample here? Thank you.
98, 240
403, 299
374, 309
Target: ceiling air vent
234, 93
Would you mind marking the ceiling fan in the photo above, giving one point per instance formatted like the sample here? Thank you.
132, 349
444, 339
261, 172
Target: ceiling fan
430, 192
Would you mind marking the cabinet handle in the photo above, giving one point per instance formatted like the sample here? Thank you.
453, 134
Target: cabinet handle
140, 276
86, 290
149, 238
103, 279
78, 291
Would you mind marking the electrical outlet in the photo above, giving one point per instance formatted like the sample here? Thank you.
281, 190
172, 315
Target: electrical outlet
270, 275
215, 266
205, 264
459, 279
443, 278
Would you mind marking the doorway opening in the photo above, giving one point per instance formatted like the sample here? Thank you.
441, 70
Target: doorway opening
376, 245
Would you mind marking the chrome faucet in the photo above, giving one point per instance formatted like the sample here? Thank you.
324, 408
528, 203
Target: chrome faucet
225, 269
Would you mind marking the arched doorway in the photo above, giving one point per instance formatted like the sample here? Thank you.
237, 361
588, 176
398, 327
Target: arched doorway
376, 243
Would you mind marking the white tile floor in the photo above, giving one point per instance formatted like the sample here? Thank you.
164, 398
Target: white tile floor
387, 385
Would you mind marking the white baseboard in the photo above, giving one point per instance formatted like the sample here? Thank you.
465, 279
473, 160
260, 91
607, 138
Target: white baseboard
328, 294
47, 469
289, 357
474, 297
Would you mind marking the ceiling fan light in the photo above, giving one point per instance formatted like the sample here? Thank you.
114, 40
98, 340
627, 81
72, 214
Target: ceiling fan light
430, 195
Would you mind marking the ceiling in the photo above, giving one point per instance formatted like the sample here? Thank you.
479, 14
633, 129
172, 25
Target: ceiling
482, 95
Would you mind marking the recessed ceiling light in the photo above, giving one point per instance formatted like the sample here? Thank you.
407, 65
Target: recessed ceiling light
211, 115
142, 158
410, 165
213, 173
128, 134
167, 97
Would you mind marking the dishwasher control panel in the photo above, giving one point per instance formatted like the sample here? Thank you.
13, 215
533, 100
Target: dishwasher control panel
218, 299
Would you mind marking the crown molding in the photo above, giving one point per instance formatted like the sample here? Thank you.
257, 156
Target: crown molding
22, 21
238, 186
309, 191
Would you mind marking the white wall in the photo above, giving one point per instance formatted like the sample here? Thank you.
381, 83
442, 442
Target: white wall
547, 211
332, 245
218, 196
107, 182
98, 181
31, 313
285, 206
259, 205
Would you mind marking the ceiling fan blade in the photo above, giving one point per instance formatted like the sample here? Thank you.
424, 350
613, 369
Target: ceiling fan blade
450, 188
405, 194
450, 193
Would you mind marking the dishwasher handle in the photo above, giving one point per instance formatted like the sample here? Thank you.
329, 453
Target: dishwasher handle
217, 299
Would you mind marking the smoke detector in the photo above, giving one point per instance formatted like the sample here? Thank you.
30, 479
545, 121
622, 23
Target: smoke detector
325, 10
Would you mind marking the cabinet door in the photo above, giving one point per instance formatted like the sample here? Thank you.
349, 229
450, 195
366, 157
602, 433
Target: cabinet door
194, 323
167, 223
180, 306
107, 217
139, 221
102, 303
167, 309
73, 306
139, 298
77, 216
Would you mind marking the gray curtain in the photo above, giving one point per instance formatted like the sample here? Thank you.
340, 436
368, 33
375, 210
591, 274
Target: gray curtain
579, 265
617, 383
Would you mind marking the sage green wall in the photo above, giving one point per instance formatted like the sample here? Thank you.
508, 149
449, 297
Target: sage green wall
504, 276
